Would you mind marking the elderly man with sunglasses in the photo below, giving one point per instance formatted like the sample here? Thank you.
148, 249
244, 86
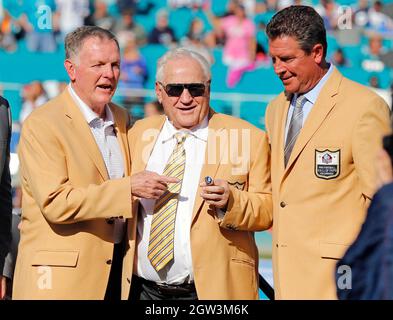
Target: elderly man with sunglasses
195, 238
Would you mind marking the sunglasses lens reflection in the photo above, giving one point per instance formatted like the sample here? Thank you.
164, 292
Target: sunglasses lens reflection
195, 89
174, 90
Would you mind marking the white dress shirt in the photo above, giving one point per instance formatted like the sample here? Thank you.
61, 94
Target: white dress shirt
311, 96
105, 137
180, 269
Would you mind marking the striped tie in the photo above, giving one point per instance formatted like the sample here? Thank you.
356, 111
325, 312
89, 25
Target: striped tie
162, 231
294, 127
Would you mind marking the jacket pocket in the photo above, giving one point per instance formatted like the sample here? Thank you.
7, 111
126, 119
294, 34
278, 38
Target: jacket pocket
55, 258
242, 257
244, 261
332, 250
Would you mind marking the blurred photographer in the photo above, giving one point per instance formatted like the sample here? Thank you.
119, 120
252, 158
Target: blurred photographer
370, 257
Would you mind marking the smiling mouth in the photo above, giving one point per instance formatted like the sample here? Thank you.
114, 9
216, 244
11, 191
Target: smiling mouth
106, 87
187, 108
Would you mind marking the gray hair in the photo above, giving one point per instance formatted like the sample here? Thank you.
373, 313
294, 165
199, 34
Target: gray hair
74, 40
179, 53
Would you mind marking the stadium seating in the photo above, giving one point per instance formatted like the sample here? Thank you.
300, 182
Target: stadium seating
23, 67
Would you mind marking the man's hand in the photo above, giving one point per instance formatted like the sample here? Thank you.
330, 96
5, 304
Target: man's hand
3, 287
216, 194
150, 185
384, 169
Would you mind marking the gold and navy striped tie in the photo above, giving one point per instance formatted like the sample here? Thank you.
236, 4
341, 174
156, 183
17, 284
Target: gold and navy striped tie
162, 230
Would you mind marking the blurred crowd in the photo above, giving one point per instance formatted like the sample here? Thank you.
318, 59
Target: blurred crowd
239, 31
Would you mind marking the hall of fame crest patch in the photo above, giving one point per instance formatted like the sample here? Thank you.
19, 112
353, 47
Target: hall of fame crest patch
327, 164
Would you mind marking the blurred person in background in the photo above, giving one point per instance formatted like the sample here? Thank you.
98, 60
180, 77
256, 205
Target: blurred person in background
240, 45
133, 69
378, 21
7, 36
71, 15
34, 96
371, 54
127, 24
101, 16
39, 22
338, 58
198, 30
329, 12
360, 17
197, 39
5, 195
162, 33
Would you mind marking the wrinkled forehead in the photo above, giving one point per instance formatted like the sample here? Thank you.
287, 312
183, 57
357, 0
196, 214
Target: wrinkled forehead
98, 48
183, 70
98, 41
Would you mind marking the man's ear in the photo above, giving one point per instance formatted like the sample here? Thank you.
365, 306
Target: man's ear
70, 68
317, 52
158, 89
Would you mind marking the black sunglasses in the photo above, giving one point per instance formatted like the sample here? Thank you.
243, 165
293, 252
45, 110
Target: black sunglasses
176, 89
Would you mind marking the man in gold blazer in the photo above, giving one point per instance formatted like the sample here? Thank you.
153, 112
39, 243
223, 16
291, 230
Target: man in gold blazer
324, 131
75, 168
208, 249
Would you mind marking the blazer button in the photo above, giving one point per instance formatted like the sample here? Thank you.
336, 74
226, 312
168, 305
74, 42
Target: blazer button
109, 261
282, 204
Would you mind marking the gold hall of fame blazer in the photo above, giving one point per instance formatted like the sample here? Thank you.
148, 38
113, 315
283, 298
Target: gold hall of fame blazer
224, 253
320, 198
67, 240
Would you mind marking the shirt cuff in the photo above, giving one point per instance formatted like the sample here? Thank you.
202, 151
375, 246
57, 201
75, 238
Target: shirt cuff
220, 213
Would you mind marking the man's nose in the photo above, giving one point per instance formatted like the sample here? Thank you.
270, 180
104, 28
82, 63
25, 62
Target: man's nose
186, 97
109, 71
278, 68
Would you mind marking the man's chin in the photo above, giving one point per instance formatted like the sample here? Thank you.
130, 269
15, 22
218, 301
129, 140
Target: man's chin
104, 100
185, 124
290, 90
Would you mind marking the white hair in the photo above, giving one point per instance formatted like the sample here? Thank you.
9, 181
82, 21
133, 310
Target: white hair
180, 53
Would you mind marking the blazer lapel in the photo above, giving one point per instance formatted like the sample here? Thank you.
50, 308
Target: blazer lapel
212, 162
279, 134
324, 104
82, 130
